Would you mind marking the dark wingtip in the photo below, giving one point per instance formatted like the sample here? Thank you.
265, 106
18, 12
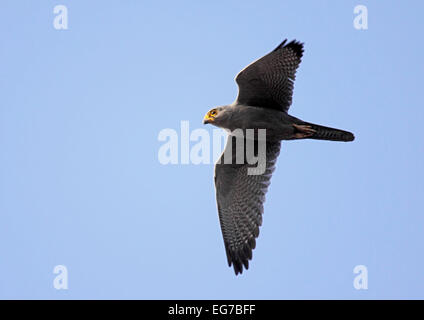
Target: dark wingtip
349, 137
281, 45
294, 45
240, 258
238, 267
297, 47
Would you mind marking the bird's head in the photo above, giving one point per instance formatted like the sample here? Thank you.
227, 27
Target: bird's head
214, 116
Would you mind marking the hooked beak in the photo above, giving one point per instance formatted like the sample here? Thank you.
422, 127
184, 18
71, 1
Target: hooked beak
207, 119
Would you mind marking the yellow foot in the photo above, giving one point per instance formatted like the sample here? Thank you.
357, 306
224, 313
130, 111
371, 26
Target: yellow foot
303, 131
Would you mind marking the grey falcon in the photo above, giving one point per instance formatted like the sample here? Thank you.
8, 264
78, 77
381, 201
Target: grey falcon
265, 95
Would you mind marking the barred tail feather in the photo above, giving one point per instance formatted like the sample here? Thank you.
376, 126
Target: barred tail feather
326, 133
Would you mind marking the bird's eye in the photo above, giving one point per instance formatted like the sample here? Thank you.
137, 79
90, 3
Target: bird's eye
213, 113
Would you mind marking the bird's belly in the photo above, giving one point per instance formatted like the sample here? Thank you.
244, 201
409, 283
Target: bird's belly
276, 124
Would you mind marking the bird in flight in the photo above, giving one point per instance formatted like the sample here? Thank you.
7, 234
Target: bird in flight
264, 98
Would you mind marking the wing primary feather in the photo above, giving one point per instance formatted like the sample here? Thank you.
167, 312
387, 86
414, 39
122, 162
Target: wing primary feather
281, 45
269, 81
240, 200
297, 48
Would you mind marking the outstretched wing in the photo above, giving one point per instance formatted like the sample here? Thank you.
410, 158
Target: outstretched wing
268, 82
240, 199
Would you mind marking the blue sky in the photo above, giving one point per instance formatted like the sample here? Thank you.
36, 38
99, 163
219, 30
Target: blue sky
80, 180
